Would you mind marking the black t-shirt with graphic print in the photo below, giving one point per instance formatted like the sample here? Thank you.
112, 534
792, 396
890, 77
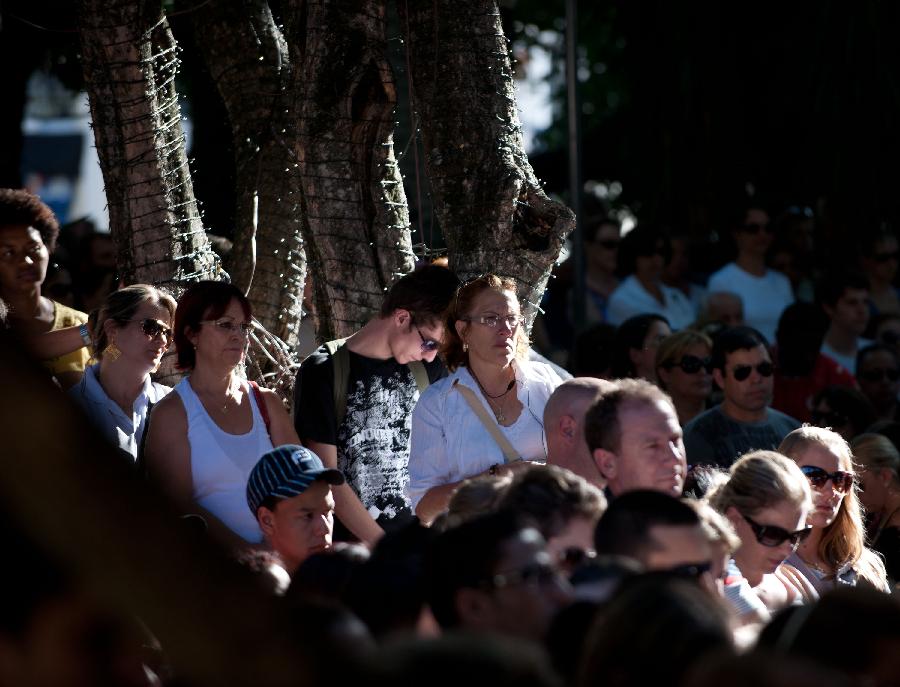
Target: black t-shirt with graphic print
373, 440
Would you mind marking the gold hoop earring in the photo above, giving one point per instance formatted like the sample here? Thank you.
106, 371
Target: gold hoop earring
112, 351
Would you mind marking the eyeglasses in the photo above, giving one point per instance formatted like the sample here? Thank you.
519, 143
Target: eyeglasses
691, 364
428, 345
230, 326
493, 321
842, 481
154, 328
829, 419
691, 571
891, 374
886, 257
772, 536
756, 227
535, 575
742, 372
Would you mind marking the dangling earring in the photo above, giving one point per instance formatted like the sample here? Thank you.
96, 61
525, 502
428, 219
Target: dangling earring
465, 347
112, 351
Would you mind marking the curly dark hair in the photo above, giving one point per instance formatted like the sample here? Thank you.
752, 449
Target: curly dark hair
19, 207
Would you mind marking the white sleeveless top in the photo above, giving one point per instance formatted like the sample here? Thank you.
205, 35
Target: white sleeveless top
221, 462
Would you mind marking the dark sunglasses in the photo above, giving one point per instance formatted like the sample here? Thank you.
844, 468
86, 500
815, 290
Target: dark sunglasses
428, 345
154, 328
771, 535
842, 481
756, 227
886, 257
891, 374
831, 419
742, 372
535, 575
691, 571
691, 364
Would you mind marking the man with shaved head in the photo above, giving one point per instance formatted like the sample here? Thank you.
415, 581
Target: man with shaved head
564, 425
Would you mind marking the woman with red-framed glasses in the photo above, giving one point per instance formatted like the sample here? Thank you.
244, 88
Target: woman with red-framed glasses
835, 552
130, 333
767, 500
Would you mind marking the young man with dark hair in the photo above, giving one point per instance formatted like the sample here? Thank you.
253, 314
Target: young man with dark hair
493, 574
844, 296
289, 493
353, 400
743, 421
635, 439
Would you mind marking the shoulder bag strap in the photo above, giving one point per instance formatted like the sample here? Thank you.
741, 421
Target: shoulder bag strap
340, 365
510, 454
420, 373
261, 403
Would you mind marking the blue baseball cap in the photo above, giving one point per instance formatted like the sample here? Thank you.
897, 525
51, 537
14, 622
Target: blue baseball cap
287, 471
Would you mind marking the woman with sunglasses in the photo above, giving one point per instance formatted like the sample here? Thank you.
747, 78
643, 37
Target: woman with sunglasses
205, 438
879, 492
767, 499
487, 415
684, 369
835, 552
131, 331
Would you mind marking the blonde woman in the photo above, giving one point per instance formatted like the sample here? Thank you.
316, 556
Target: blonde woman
684, 370
490, 406
767, 500
879, 480
834, 553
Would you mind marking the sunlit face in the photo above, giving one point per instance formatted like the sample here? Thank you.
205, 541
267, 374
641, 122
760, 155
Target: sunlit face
651, 450
753, 393
755, 559
140, 350
23, 260
492, 345
412, 340
826, 499
300, 526
644, 360
222, 339
694, 385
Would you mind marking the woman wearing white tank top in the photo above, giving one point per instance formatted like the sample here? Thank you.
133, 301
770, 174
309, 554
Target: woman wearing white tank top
205, 439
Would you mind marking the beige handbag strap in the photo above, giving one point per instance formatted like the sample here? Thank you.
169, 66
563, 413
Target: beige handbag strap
510, 454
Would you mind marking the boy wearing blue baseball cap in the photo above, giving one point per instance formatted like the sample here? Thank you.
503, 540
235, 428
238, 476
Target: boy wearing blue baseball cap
289, 492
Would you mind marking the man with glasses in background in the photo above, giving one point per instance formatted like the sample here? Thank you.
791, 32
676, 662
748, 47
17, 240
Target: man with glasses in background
743, 421
354, 397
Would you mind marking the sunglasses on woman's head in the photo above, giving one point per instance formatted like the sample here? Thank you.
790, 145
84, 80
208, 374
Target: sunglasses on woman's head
771, 535
691, 364
742, 372
154, 328
842, 481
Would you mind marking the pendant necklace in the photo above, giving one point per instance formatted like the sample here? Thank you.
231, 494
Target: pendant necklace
498, 411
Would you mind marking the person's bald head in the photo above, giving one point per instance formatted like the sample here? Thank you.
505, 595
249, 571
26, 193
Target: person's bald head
564, 424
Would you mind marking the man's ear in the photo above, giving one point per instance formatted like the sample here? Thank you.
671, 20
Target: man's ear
568, 427
607, 462
718, 377
473, 607
402, 317
266, 520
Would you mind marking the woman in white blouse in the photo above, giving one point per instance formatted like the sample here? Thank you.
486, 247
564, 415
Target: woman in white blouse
487, 415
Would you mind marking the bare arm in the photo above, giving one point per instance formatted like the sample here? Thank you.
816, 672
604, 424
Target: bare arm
167, 453
54, 343
281, 428
348, 508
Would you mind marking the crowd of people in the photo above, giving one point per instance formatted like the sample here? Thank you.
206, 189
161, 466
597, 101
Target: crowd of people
715, 494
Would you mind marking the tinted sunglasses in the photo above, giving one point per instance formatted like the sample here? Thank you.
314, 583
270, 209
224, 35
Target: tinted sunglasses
742, 372
428, 345
842, 481
691, 571
756, 227
536, 574
771, 535
891, 374
154, 328
691, 364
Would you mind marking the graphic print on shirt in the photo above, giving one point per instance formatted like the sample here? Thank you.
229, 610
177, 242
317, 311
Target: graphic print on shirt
373, 442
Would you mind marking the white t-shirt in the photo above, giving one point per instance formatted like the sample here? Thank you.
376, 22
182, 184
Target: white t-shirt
765, 298
848, 362
632, 299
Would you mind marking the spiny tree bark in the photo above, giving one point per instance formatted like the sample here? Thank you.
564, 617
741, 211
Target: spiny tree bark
129, 59
494, 215
247, 57
356, 221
